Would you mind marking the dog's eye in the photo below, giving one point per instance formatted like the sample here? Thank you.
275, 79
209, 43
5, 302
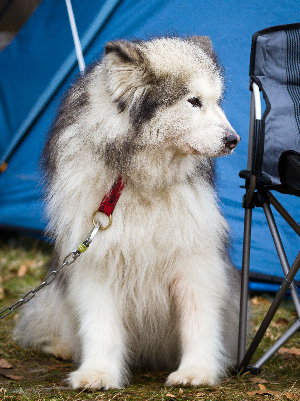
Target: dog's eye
195, 102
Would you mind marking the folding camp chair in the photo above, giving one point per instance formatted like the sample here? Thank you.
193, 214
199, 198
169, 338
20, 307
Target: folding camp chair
273, 165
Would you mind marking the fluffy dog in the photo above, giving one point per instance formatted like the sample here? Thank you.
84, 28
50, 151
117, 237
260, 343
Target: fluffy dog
157, 289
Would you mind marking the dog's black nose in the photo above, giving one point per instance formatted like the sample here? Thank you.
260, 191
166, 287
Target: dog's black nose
231, 139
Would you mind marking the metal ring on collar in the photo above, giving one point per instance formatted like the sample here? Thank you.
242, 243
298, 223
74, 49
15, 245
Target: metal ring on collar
95, 223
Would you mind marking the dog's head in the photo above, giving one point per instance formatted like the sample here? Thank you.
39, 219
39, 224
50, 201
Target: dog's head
171, 89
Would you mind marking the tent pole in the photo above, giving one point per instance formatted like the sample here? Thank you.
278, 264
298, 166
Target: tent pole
76, 39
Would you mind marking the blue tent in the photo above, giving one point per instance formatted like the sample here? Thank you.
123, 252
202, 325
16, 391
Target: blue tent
40, 63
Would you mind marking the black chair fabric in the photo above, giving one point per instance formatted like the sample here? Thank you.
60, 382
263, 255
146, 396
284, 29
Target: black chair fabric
289, 169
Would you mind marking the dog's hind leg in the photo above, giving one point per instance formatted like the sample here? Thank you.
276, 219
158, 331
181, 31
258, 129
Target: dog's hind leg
102, 338
45, 324
198, 301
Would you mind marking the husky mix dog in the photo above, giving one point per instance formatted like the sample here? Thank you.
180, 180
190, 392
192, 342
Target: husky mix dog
157, 289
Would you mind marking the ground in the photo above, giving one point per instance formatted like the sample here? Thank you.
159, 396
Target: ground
30, 375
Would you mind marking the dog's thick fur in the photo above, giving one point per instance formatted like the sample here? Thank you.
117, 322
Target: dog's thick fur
157, 289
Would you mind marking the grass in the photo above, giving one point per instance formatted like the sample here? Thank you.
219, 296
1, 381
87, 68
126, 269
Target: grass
38, 377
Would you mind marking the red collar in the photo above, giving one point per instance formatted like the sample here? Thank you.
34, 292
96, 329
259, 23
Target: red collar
111, 198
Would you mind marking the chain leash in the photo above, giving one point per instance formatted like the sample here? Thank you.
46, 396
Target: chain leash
106, 207
68, 260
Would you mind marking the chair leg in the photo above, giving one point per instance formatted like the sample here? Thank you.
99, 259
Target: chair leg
275, 347
270, 314
284, 213
244, 286
281, 253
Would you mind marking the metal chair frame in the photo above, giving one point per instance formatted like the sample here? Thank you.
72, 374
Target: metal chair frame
259, 196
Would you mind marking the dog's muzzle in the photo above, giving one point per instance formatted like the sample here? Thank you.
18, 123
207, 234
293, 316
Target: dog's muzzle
231, 139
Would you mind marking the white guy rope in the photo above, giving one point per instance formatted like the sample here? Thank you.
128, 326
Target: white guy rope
77, 44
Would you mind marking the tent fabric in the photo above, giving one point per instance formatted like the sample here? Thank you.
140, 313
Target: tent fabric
40, 64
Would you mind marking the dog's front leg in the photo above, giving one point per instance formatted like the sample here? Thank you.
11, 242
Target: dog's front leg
102, 339
198, 301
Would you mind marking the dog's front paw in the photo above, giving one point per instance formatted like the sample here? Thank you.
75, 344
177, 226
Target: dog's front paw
93, 380
192, 376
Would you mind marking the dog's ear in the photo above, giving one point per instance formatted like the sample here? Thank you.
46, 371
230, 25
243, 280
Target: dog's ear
125, 68
203, 42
